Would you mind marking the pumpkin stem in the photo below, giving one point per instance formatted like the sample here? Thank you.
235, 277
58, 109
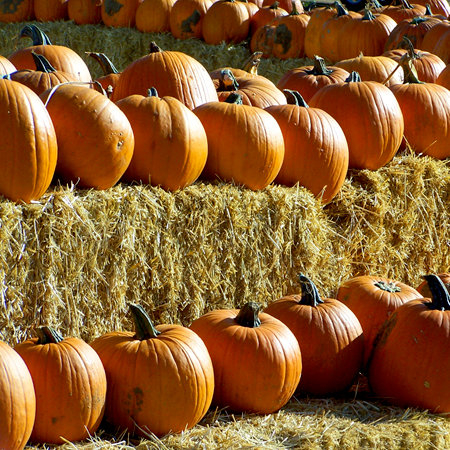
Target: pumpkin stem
294, 11
353, 77
310, 294
368, 15
152, 92
143, 325
36, 34
252, 63
274, 5
428, 11
320, 67
154, 47
388, 287
235, 98
42, 63
440, 297
105, 63
294, 98
410, 72
249, 315
228, 81
341, 11
48, 335
408, 45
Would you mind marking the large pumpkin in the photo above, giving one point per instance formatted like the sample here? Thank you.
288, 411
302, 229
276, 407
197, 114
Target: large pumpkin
17, 400
170, 142
245, 143
28, 148
410, 362
95, 138
172, 73
160, 379
330, 338
256, 358
373, 299
70, 384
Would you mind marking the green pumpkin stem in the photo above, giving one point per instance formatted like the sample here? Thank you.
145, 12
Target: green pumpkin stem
105, 63
48, 335
36, 34
249, 315
235, 98
274, 5
143, 325
294, 11
152, 92
368, 15
353, 77
228, 81
42, 63
388, 287
252, 63
294, 98
341, 11
310, 294
440, 297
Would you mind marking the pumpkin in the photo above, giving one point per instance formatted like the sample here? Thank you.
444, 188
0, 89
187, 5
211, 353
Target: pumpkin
433, 35
373, 299
436, 6
226, 21
186, 18
160, 379
60, 57
95, 138
367, 112
16, 10
70, 385
442, 47
330, 338
50, 10
153, 16
84, 12
410, 362
172, 73
403, 10
287, 5
44, 77
424, 289
119, 13
17, 400
6, 66
245, 143
262, 40
444, 77
110, 75
28, 148
252, 353
426, 111
318, 16
315, 148
265, 15
307, 80
170, 142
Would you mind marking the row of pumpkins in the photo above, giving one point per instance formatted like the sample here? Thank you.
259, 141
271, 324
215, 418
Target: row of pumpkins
53, 125
164, 378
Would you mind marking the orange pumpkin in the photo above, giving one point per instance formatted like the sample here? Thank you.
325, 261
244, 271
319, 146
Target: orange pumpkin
16, 11
6, 66
50, 10
433, 35
170, 142
119, 13
95, 138
251, 353
160, 379
28, 148
153, 16
245, 143
318, 16
330, 338
110, 75
373, 299
403, 10
17, 400
442, 47
265, 16
70, 384
424, 288
444, 77
186, 18
84, 12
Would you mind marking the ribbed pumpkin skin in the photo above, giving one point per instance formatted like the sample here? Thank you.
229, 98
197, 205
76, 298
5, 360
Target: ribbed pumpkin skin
426, 111
371, 301
163, 384
318, 17
84, 12
245, 144
6, 66
28, 148
316, 150
95, 138
186, 18
370, 117
153, 16
119, 13
49, 10
410, 363
424, 290
70, 384
17, 400
444, 77
255, 369
16, 10
331, 341
173, 74
170, 142
442, 47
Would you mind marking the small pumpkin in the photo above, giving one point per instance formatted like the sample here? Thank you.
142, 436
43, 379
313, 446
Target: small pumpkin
17, 400
160, 378
252, 353
70, 384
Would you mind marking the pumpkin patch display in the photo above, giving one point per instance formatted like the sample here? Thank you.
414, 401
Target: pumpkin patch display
252, 352
95, 138
70, 385
28, 148
373, 299
17, 400
330, 338
410, 363
160, 378
170, 142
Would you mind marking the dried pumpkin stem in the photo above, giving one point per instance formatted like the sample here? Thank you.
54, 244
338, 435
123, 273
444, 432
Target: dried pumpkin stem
320, 67
42, 63
48, 335
294, 98
143, 325
440, 297
249, 315
105, 63
310, 294
36, 34
388, 287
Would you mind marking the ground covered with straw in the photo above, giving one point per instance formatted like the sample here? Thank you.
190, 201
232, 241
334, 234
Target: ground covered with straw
76, 258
